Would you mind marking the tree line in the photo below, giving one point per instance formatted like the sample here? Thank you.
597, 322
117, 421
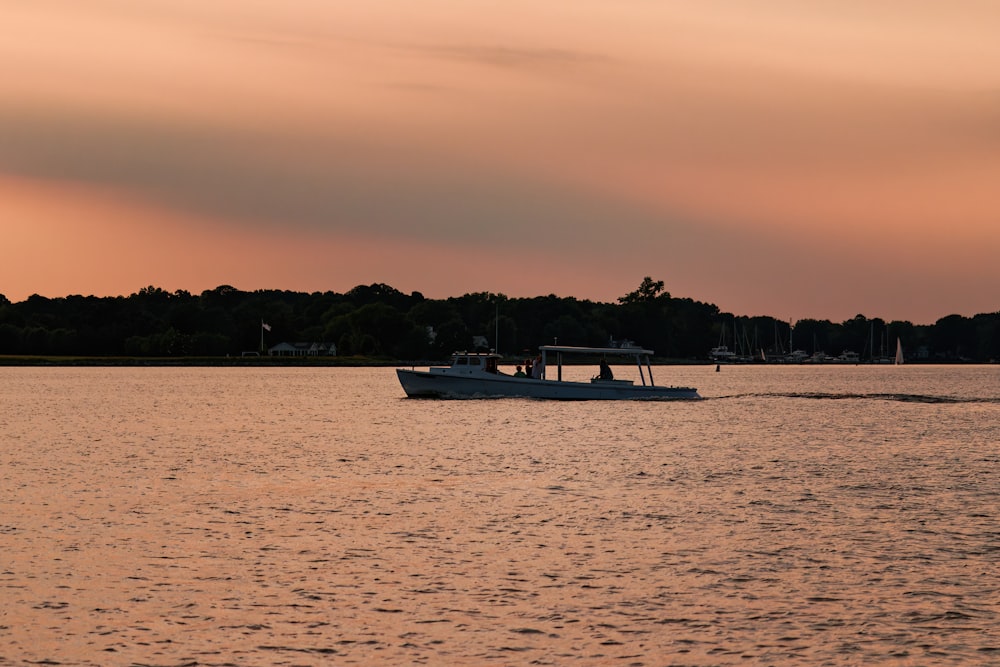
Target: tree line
379, 321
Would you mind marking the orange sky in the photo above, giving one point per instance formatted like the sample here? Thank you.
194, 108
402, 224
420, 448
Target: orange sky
818, 159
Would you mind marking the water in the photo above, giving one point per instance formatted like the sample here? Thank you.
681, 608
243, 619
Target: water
200, 516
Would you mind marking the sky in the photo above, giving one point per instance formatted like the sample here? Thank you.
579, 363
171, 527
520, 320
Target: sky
795, 159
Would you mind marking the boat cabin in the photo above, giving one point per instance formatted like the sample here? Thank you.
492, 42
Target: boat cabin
474, 362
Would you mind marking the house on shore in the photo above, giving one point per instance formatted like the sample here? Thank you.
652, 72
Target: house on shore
303, 350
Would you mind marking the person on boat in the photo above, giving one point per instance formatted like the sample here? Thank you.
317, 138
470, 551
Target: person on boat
519, 373
537, 368
605, 373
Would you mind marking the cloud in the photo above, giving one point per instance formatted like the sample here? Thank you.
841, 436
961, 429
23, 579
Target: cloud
507, 56
312, 183
625, 134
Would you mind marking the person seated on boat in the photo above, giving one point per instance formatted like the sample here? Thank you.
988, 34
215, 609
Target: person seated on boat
519, 373
605, 373
527, 367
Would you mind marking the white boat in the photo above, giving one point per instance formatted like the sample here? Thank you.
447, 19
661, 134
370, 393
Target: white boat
476, 375
849, 357
722, 354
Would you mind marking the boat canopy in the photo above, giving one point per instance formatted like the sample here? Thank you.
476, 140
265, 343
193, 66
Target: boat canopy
627, 351
641, 356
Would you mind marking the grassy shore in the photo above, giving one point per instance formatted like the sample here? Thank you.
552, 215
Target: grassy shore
304, 362
265, 361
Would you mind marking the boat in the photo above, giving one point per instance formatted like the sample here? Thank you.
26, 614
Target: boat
721, 354
899, 352
477, 375
849, 357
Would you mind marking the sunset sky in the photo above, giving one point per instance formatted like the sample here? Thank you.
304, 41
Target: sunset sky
774, 157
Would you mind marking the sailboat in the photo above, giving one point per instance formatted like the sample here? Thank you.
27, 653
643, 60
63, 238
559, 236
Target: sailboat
721, 353
899, 352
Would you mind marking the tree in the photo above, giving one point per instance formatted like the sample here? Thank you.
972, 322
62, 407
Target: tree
378, 319
10, 339
988, 335
648, 290
954, 337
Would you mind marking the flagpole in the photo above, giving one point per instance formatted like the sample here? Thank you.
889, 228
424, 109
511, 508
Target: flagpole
264, 326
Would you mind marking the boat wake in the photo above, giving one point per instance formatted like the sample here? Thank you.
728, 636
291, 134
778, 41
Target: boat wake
899, 398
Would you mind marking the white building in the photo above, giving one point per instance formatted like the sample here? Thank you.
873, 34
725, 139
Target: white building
303, 350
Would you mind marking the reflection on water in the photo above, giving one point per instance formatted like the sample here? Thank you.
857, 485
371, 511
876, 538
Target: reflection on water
839, 515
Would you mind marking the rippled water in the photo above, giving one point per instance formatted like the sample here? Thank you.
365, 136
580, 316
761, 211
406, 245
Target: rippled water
799, 515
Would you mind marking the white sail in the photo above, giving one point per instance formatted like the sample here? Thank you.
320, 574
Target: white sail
899, 352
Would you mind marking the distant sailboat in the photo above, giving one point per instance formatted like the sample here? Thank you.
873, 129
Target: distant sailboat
899, 352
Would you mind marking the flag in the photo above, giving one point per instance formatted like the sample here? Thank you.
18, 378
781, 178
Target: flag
265, 326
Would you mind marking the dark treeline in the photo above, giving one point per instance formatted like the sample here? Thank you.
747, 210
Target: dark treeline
380, 321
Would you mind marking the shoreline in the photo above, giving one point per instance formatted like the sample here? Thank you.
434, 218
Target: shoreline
305, 362
276, 361
351, 362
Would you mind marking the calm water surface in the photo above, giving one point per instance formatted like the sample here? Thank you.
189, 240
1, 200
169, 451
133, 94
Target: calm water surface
196, 516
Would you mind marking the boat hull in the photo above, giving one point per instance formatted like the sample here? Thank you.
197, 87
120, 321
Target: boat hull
423, 384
